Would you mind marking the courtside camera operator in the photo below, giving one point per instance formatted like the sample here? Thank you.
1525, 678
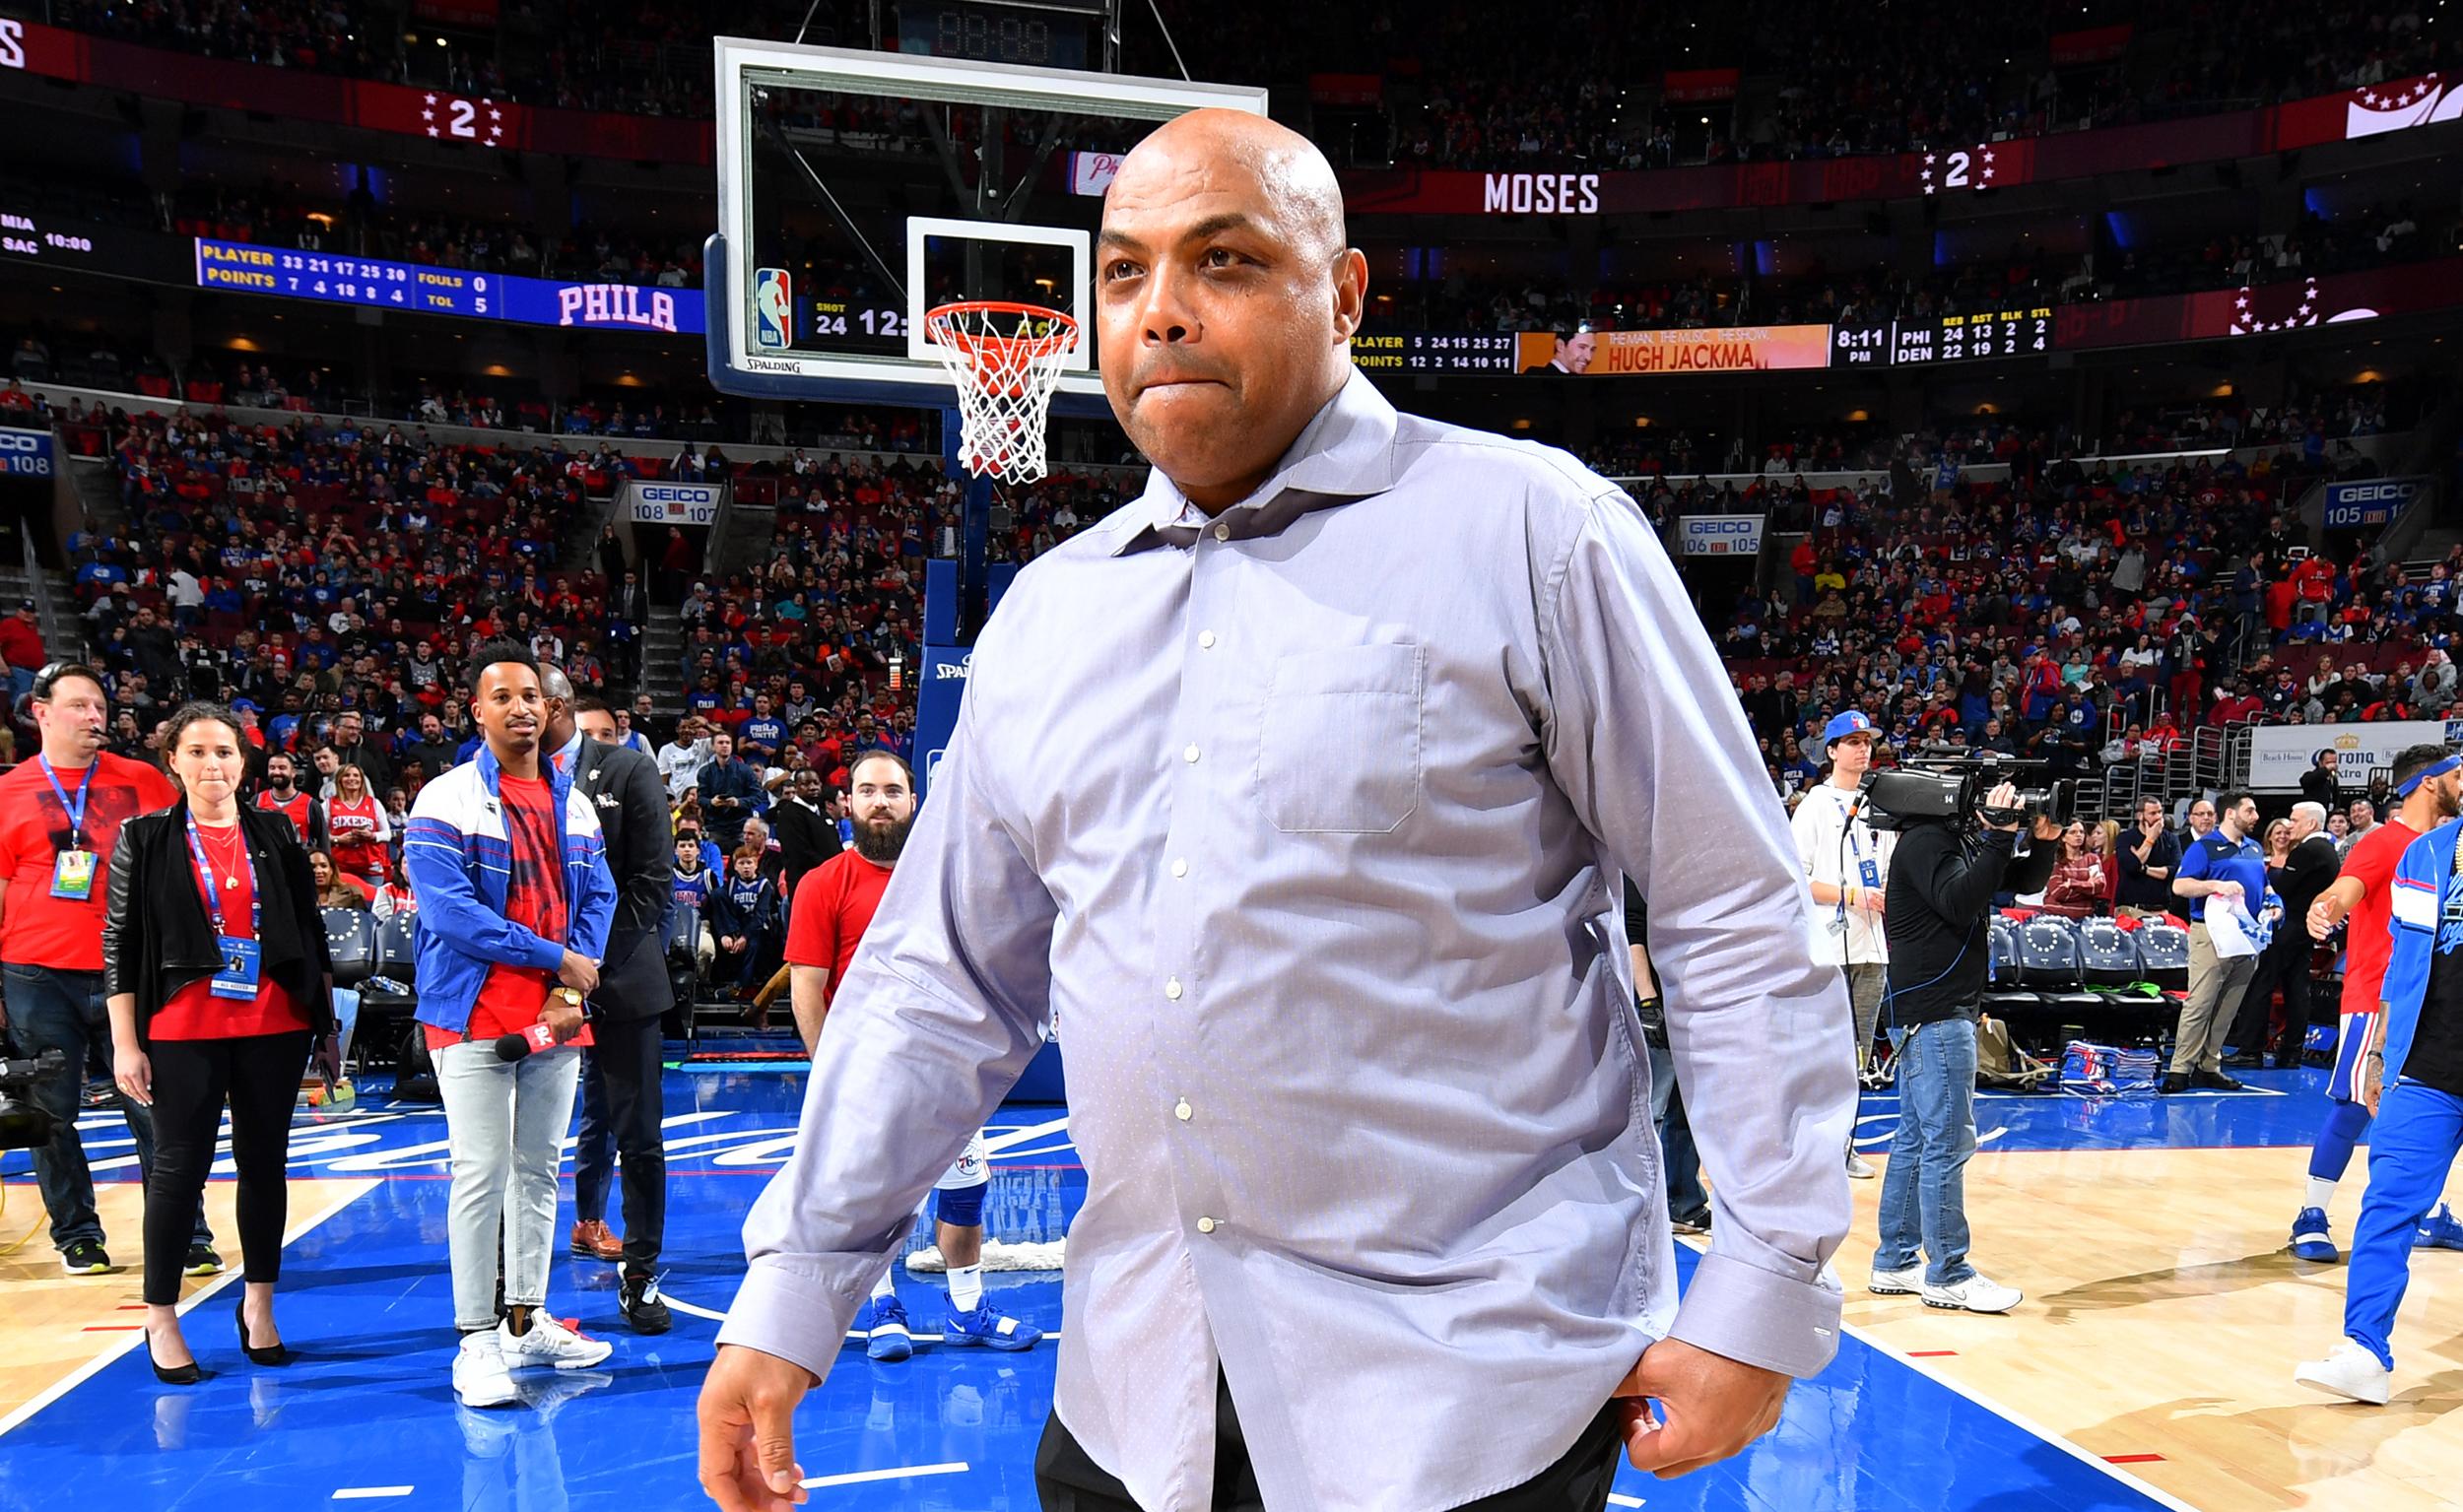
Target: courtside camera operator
1952, 855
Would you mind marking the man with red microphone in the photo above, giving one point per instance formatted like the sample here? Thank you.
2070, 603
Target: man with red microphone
509, 868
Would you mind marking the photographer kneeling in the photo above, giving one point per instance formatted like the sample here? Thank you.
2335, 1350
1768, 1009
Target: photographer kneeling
1941, 881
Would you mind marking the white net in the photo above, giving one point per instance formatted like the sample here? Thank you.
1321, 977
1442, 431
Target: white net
1005, 359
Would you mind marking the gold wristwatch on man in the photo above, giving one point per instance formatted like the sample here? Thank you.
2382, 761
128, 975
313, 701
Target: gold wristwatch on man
571, 995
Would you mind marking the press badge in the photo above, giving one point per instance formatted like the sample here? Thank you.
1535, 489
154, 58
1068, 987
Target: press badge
1872, 873
237, 979
71, 873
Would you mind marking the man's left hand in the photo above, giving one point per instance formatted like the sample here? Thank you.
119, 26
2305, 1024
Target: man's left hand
1710, 1408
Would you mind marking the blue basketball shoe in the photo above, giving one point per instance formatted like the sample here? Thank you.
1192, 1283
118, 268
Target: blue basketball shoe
987, 1326
2439, 1231
2312, 1239
883, 1322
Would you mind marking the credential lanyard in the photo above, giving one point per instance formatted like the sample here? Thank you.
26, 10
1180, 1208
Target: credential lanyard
214, 893
76, 809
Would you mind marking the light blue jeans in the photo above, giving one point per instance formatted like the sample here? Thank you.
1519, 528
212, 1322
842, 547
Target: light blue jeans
506, 1121
1924, 1191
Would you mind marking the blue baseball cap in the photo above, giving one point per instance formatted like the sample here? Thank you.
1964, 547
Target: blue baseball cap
1852, 722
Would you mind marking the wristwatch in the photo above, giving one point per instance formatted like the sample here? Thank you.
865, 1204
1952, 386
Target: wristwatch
571, 995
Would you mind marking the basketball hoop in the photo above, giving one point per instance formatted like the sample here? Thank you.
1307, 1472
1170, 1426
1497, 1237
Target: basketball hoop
1005, 360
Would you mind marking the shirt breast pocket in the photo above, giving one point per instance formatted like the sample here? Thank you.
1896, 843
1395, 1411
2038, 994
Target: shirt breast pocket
1339, 747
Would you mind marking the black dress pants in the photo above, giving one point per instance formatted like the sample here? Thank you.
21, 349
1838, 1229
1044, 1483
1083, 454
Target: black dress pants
622, 1110
1068, 1480
2285, 965
192, 1078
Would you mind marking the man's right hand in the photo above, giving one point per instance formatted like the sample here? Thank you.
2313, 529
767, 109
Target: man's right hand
748, 1430
2005, 796
2321, 923
578, 973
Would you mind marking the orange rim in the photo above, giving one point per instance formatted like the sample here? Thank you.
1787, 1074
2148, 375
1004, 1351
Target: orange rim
1064, 328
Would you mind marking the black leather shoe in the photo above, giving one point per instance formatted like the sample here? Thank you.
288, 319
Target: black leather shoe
2175, 1082
188, 1374
2246, 1060
274, 1354
2215, 1082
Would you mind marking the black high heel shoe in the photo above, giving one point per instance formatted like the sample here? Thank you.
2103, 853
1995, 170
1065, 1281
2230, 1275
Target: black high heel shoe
279, 1354
188, 1374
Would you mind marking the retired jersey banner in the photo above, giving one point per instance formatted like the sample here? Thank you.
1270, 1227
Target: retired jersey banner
1729, 349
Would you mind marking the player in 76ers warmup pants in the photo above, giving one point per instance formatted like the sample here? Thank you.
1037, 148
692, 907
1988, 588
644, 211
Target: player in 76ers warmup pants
832, 906
2416, 1084
2430, 790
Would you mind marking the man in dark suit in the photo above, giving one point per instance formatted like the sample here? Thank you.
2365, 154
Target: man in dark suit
806, 837
627, 620
621, 1105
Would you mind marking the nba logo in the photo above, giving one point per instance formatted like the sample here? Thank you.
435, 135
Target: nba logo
773, 308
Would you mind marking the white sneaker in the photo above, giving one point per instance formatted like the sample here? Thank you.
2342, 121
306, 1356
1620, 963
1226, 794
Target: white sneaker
480, 1378
549, 1343
1907, 1282
1974, 1295
1859, 1168
2350, 1371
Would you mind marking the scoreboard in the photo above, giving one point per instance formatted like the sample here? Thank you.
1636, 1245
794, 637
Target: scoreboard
1436, 351
2023, 331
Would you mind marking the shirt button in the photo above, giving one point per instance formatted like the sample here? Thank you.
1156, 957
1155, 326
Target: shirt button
1206, 640
1182, 1111
1205, 1225
1181, 867
1189, 754
1222, 532
1171, 989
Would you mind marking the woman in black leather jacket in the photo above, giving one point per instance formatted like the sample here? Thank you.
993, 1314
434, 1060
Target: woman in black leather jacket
217, 979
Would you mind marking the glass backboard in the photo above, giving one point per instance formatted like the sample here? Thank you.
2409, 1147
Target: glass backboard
857, 190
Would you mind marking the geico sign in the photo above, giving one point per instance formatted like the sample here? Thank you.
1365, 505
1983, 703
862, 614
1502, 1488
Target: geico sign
669, 495
23, 440
2377, 492
1723, 527
1547, 194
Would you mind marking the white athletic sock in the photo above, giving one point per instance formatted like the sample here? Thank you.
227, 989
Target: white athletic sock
966, 1286
2321, 1191
885, 1285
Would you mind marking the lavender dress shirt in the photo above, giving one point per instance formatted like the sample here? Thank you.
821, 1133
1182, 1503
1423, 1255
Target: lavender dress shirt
1309, 826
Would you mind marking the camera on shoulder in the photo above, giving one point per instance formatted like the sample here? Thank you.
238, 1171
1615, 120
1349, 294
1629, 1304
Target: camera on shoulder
24, 1123
1926, 789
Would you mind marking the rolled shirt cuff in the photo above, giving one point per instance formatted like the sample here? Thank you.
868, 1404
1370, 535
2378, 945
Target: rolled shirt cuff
1758, 1318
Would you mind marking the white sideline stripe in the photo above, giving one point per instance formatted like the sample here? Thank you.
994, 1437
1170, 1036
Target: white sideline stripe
365, 1492
859, 1335
137, 1338
1620, 1499
954, 1467
683, 1306
2019, 1420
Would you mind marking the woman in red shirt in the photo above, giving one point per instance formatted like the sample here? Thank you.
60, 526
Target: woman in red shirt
357, 821
2078, 887
217, 981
